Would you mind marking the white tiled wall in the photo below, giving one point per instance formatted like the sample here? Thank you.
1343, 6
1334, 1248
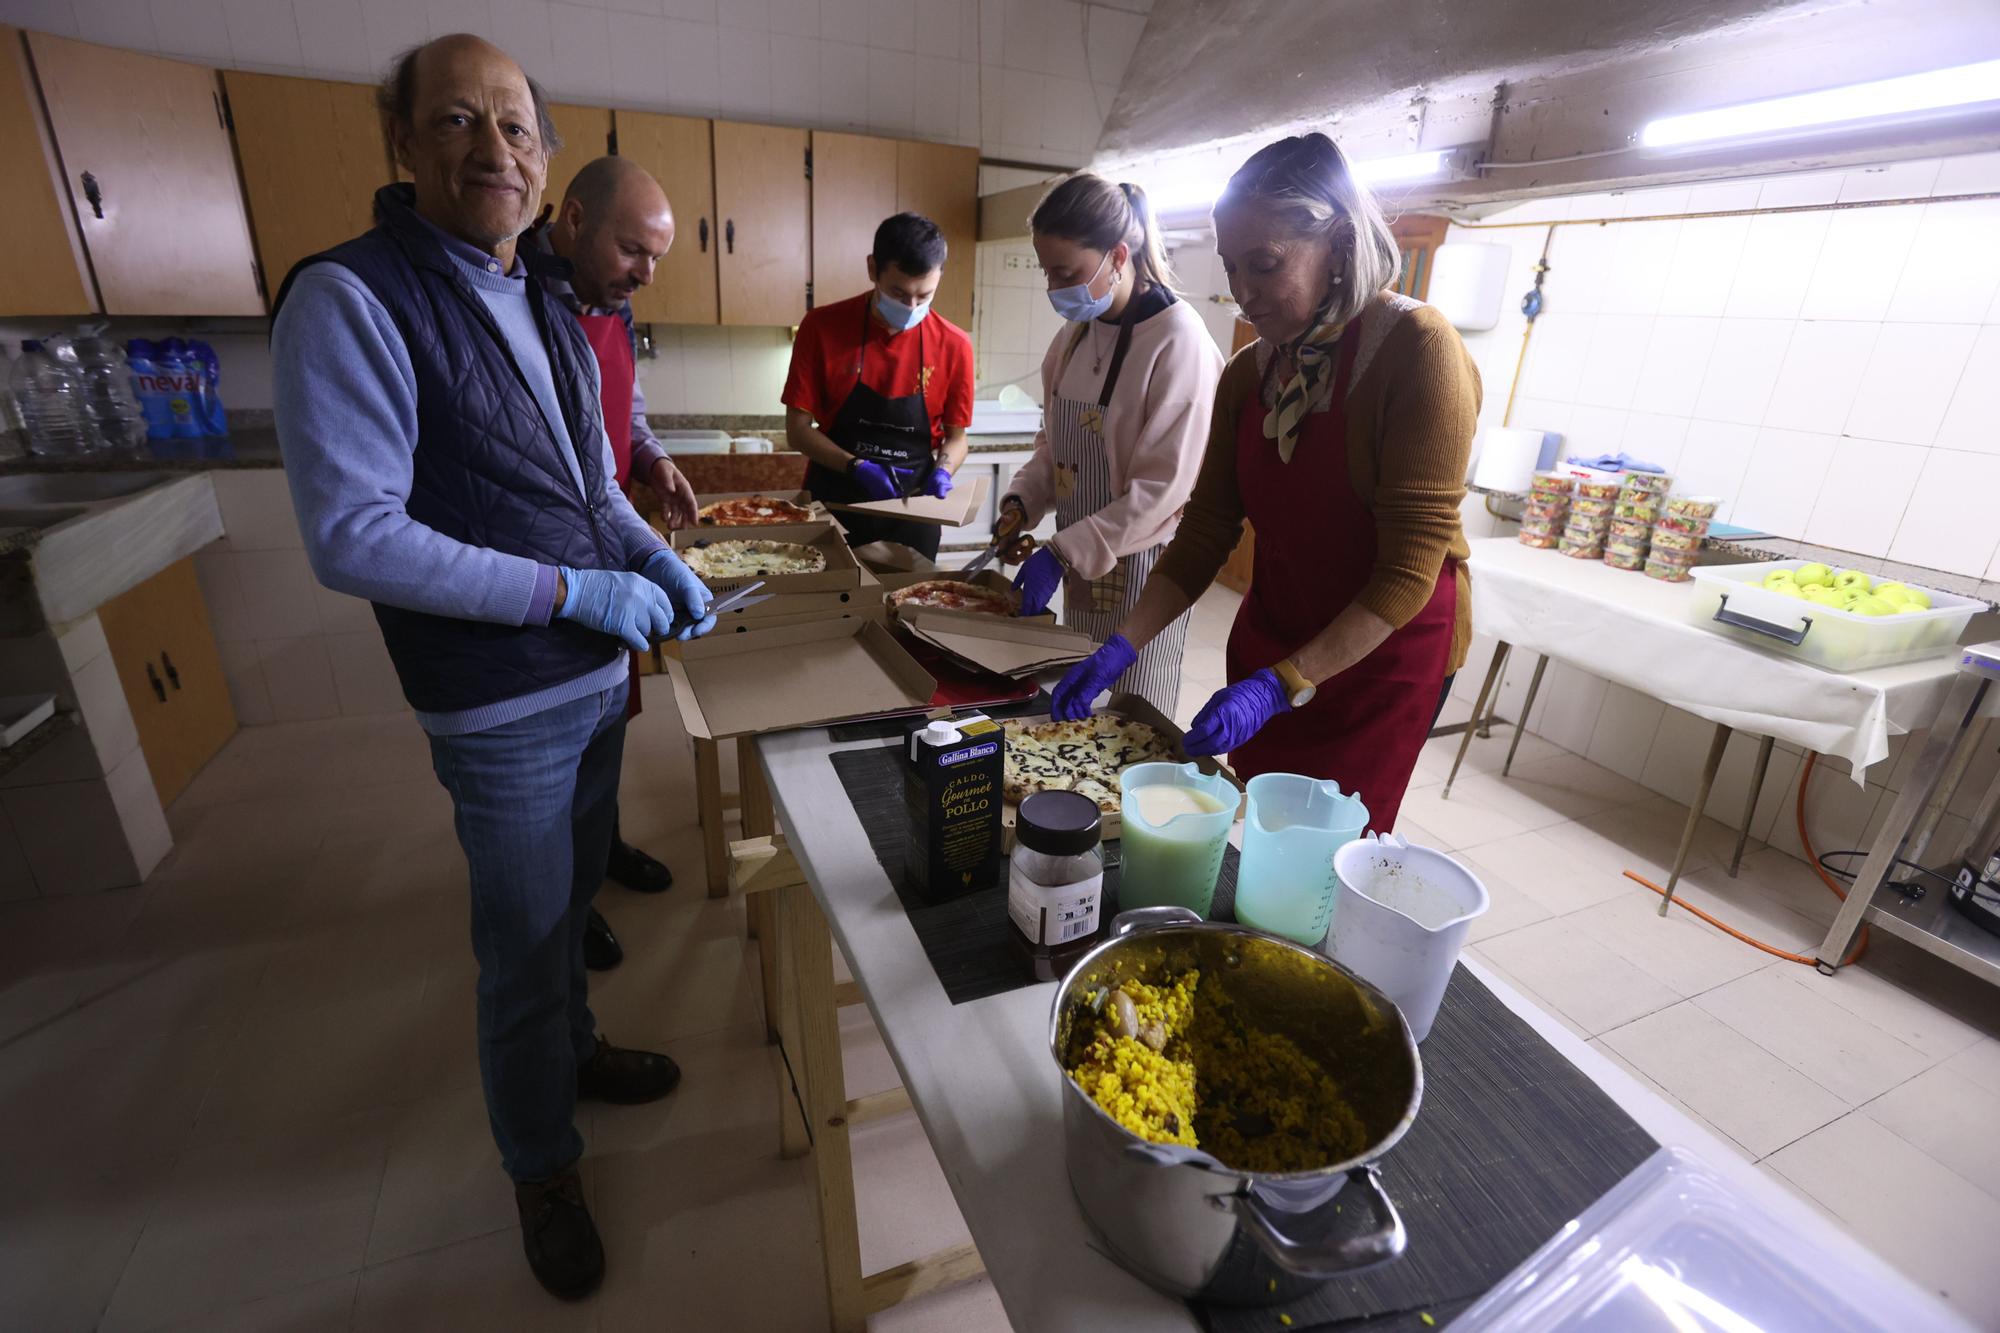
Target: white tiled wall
1833, 375
291, 649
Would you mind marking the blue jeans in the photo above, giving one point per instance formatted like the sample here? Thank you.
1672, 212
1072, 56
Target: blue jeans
534, 801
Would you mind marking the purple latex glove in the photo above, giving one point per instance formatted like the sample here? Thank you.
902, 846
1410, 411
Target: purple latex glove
881, 483
939, 484
1236, 713
1037, 582
1082, 683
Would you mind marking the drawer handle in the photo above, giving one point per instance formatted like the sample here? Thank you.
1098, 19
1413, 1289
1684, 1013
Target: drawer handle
729, 235
93, 194
703, 233
167, 664
153, 679
1794, 637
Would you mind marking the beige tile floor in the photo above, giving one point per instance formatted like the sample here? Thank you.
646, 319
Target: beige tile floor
244, 1095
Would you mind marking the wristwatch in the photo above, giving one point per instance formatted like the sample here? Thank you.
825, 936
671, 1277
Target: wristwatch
1298, 690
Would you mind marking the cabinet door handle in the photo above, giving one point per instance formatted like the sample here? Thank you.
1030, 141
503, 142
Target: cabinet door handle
729, 235
153, 679
167, 664
93, 194
703, 233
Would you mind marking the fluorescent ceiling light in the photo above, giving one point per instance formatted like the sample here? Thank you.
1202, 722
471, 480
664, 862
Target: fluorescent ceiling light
1184, 184
1884, 99
1400, 170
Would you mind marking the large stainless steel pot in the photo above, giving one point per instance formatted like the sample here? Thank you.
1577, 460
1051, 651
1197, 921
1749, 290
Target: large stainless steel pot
1181, 1220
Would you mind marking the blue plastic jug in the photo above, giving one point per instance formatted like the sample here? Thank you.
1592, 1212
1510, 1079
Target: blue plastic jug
1292, 828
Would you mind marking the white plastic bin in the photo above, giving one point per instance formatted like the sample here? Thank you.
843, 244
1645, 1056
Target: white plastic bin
1822, 635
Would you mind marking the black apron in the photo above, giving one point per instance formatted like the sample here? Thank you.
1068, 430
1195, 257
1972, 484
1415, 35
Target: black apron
895, 432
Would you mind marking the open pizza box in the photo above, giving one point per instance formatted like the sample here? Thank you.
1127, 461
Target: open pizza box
894, 558
803, 499
842, 572
966, 502
783, 677
864, 599
1133, 708
1004, 645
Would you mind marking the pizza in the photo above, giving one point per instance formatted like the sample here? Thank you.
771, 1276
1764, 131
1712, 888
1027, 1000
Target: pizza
955, 595
741, 559
753, 511
1084, 757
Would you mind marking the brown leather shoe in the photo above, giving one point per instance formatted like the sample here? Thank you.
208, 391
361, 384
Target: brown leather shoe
556, 1231
625, 1077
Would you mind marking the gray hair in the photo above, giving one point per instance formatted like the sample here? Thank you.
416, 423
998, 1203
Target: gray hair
396, 99
1307, 182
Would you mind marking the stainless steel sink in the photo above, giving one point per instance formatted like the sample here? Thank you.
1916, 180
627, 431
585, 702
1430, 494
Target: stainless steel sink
74, 488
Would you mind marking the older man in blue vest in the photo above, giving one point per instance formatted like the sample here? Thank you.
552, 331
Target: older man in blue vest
446, 450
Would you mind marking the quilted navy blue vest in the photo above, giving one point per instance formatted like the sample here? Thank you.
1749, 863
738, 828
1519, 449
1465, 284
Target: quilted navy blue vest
488, 470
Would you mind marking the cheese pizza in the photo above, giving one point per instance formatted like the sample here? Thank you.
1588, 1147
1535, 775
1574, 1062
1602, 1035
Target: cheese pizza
753, 511
1084, 757
742, 559
954, 595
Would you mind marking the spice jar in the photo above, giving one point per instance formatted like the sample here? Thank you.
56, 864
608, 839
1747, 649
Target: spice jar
1055, 881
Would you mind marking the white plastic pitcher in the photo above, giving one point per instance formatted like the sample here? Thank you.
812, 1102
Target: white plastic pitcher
1291, 830
1401, 919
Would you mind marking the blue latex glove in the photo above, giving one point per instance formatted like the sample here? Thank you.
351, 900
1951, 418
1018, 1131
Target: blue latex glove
1038, 580
689, 595
1082, 683
939, 484
1235, 713
881, 483
612, 601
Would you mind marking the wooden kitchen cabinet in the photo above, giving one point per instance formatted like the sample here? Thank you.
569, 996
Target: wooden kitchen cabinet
679, 152
44, 272
313, 156
941, 181
853, 189
586, 136
151, 177
171, 673
764, 202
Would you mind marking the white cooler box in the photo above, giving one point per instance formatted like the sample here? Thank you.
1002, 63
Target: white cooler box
1732, 601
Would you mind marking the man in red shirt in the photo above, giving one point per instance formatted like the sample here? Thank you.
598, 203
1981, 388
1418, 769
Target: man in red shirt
880, 390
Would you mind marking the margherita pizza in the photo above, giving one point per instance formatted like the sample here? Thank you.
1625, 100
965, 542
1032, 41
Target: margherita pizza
954, 595
753, 511
1084, 757
742, 559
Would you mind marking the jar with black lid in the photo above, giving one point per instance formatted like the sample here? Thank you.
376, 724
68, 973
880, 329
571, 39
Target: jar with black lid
1055, 881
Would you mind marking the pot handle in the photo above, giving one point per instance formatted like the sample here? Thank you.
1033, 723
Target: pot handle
1324, 1259
1152, 918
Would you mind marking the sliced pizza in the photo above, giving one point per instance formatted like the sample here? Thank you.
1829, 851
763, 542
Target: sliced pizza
745, 559
1084, 756
955, 595
753, 511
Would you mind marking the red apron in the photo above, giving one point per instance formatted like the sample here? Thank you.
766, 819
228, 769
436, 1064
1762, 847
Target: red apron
1315, 552
612, 342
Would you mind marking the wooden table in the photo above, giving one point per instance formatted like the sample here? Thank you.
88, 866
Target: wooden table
983, 1085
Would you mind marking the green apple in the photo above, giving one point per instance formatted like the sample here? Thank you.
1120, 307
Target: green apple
1873, 606
1851, 578
1825, 597
1889, 589
1780, 576
1808, 575
1917, 598
1787, 590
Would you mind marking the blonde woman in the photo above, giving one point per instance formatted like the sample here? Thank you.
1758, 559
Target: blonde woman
1127, 385
1342, 434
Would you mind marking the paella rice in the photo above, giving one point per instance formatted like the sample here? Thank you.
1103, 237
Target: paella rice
1171, 1070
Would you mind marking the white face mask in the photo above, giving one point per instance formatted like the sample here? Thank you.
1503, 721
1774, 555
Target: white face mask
1076, 303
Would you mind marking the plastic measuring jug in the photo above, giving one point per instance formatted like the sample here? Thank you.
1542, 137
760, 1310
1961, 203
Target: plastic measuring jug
1292, 829
1174, 829
1401, 919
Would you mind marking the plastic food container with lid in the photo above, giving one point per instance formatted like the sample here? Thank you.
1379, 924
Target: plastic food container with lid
1553, 483
1648, 483
1732, 601
1692, 506
1676, 539
1544, 540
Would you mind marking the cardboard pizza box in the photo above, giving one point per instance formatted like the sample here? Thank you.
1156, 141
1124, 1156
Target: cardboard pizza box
1135, 708
778, 678
1004, 645
985, 578
842, 571
956, 510
893, 558
800, 497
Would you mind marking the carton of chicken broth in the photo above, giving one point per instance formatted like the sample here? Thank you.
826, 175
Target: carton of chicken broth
952, 786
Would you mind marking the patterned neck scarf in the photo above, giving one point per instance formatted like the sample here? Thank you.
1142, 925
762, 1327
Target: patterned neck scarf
1314, 354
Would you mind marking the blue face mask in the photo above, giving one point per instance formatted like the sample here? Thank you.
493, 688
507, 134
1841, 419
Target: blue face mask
899, 316
1077, 304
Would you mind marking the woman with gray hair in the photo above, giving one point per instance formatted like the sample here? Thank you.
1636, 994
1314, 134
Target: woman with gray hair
1342, 434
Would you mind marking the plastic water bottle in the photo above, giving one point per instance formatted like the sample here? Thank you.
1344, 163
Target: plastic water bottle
115, 415
51, 403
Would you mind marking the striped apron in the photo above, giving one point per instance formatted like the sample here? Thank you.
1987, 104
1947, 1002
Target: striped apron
1076, 431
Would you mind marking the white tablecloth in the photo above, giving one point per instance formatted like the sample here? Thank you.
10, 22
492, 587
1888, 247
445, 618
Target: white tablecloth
1635, 631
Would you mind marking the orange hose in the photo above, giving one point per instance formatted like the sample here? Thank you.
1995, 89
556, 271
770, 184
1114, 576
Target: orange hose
1812, 859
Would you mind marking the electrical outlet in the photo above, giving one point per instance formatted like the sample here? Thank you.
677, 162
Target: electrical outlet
1018, 262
